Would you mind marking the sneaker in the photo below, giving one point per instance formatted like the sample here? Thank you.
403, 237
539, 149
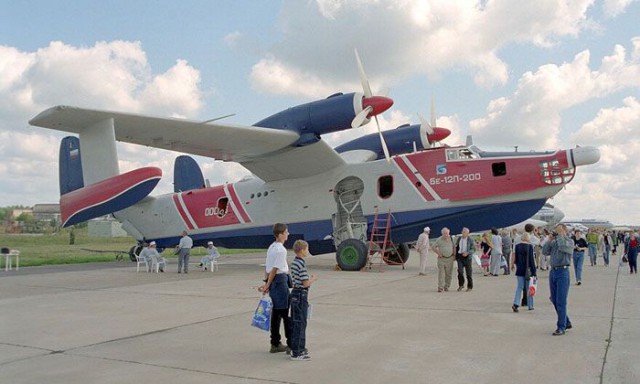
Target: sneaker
304, 352
278, 348
514, 308
421, 274
446, 289
569, 326
469, 289
440, 290
558, 332
579, 283
460, 288
301, 358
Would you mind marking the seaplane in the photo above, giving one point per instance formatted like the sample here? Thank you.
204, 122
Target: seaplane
329, 197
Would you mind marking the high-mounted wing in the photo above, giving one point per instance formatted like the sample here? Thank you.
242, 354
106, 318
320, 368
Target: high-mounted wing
266, 152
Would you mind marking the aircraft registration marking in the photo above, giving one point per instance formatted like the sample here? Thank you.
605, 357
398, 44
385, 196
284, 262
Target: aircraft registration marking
449, 179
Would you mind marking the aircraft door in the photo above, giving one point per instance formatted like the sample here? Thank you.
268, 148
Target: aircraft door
349, 221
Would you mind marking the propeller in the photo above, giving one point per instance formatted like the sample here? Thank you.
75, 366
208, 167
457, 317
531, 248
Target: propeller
371, 105
431, 129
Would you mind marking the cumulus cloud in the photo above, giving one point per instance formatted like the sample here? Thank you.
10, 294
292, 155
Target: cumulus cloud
532, 115
613, 8
410, 36
108, 75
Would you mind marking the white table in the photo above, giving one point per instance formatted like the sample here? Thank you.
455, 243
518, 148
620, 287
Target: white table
8, 259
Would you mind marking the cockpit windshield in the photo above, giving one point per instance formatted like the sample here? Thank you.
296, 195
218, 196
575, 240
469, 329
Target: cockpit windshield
460, 154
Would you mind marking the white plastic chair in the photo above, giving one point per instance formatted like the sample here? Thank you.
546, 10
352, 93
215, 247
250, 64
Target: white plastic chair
141, 260
156, 262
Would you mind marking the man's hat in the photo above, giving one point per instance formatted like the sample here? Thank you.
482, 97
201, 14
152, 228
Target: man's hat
151, 244
427, 229
210, 243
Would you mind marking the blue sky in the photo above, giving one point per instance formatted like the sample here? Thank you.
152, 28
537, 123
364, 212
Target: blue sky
540, 75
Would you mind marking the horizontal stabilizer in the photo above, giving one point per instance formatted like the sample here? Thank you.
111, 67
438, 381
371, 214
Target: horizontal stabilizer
108, 196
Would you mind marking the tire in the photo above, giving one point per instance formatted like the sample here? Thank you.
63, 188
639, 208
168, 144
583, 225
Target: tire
351, 255
134, 251
400, 257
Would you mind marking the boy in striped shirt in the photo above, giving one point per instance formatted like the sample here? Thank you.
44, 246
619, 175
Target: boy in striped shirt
299, 300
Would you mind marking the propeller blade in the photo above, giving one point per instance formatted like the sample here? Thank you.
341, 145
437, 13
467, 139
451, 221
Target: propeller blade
433, 113
424, 125
382, 142
361, 117
363, 77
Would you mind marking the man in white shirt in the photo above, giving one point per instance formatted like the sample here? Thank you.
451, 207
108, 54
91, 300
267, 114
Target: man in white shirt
277, 285
184, 249
212, 254
423, 246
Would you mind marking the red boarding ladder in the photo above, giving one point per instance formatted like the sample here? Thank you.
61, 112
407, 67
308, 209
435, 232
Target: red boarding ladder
380, 243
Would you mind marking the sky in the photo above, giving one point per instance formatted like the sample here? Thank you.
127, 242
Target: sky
539, 75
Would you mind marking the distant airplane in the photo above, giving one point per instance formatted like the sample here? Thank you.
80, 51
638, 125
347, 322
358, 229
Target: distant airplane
328, 197
589, 223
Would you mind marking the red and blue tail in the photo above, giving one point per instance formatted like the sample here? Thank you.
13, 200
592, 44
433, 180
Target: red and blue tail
80, 203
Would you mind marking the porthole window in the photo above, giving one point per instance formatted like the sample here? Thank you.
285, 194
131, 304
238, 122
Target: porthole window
259, 194
266, 194
253, 195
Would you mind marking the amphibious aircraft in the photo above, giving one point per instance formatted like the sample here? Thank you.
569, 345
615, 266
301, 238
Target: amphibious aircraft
328, 196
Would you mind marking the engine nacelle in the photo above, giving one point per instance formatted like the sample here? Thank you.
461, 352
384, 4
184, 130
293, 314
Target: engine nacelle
404, 139
335, 113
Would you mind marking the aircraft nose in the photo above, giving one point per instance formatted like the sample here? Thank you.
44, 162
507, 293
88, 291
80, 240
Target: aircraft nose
585, 155
378, 104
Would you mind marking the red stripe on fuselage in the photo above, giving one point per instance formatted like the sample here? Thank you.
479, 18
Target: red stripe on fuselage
413, 179
183, 214
238, 204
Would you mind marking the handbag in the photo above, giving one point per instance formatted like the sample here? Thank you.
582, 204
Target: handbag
533, 286
262, 315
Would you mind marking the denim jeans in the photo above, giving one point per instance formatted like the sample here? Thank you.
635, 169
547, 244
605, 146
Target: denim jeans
607, 252
299, 308
559, 280
578, 260
593, 253
520, 291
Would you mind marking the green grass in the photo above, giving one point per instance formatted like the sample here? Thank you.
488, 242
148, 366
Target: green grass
47, 249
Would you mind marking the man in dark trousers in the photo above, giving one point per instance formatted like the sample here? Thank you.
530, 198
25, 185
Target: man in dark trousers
277, 285
561, 249
465, 246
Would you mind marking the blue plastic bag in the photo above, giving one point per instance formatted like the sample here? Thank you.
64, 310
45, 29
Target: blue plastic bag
262, 316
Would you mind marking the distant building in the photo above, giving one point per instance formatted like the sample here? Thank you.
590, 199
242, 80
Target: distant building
46, 212
15, 212
105, 227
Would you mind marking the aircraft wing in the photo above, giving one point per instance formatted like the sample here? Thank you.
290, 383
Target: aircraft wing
266, 152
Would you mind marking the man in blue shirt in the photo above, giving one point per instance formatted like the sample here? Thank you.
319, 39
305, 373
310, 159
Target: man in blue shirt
560, 247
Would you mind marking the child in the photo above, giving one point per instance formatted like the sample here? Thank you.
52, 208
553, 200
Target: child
299, 301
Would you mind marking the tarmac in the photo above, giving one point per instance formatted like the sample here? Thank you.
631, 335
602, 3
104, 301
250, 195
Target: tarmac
105, 323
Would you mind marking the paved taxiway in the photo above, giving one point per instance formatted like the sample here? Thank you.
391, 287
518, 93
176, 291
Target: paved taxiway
109, 324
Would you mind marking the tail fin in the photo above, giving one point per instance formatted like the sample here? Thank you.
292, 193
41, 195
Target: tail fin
70, 165
90, 181
186, 174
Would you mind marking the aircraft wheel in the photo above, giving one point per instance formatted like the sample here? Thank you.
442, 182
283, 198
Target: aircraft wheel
400, 257
134, 251
351, 255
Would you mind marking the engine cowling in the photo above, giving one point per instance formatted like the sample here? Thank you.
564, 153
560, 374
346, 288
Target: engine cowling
335, 113
404, 139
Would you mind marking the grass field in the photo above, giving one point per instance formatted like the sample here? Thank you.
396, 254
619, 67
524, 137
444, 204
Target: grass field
45, 249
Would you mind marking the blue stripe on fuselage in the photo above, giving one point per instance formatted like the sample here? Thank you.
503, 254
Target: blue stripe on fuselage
406, 226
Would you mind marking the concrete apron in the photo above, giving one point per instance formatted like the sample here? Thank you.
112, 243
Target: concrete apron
113, 325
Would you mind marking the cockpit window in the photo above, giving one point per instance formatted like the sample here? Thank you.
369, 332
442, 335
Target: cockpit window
460, 154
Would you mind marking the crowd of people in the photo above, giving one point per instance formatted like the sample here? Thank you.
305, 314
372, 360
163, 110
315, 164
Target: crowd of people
525, 254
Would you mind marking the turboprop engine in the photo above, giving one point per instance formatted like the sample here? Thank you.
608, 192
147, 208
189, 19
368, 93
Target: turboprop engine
404, 139
335, 113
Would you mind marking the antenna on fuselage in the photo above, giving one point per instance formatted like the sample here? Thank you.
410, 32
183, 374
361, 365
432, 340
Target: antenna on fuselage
217, 118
